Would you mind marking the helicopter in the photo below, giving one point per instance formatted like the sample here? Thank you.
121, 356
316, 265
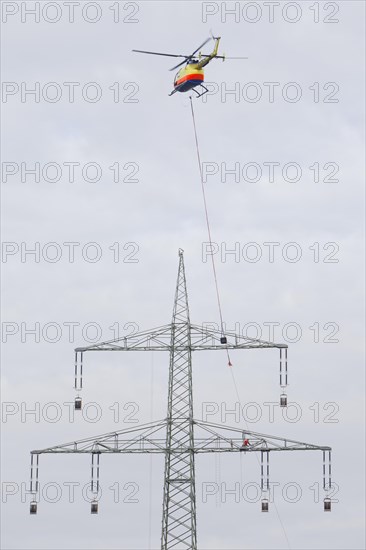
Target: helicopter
191, 76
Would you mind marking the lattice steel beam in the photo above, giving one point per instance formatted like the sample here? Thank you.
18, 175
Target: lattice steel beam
144, 439
159, 339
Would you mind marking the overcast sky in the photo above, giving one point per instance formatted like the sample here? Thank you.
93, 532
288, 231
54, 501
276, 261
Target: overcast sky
295, 106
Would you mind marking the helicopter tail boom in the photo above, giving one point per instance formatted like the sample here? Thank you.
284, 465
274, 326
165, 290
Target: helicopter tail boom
207, 58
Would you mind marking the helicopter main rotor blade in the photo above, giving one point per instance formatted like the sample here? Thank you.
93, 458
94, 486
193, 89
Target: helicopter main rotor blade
192, 54
158, 53
225, 57
201, 46
179, 64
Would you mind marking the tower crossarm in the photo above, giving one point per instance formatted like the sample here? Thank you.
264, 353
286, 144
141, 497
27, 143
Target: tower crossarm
136, 439
206, 338
221, 438
201, 338
157, 339
145, 439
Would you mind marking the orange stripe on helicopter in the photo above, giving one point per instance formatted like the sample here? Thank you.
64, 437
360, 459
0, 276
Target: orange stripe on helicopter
192, 76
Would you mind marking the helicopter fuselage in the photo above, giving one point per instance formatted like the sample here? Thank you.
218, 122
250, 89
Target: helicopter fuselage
188, 77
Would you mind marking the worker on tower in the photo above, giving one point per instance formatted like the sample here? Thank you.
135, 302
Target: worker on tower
245, 443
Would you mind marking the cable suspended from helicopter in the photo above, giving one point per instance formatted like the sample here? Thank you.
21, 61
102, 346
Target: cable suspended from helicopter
191, 76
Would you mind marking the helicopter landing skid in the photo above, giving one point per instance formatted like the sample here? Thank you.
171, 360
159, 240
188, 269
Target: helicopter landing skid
205, 90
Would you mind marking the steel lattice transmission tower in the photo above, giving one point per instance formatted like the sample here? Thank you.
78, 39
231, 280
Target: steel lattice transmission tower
179, 436
179, 506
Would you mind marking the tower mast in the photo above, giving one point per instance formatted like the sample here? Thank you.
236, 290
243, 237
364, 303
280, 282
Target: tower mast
179, 504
